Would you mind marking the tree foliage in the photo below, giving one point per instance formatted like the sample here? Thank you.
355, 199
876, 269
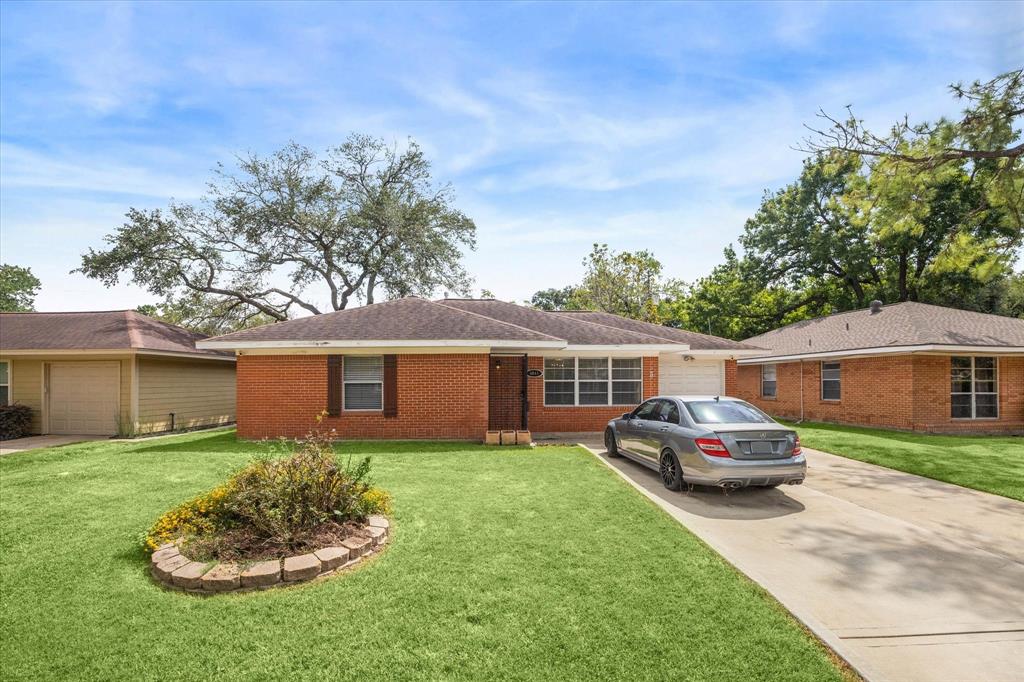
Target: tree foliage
296, 231
18, 288
206, 314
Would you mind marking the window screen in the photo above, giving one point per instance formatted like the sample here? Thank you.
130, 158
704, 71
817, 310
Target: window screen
768, 381
627, 381
974, 388
831, 387
559, 381
5, 383
363, 379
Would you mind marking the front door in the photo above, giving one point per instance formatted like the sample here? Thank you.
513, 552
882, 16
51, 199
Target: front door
507, 396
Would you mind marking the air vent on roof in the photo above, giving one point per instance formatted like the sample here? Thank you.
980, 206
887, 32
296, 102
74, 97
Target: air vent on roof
876, 306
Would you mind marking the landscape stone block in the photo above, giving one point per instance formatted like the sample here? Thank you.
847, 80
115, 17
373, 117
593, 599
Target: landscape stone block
190, 576
331, 557
262, 574
357, 546
165, 568
302, 567
378, 521
222, 578
378, 536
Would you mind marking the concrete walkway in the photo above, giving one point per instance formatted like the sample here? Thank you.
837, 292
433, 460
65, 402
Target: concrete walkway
907, 578
8, 447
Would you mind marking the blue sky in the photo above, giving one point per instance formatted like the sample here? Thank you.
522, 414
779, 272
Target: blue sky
651, 126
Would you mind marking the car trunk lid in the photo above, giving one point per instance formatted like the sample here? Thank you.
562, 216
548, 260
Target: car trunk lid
756, 441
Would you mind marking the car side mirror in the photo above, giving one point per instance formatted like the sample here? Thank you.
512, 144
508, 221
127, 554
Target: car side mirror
627, 416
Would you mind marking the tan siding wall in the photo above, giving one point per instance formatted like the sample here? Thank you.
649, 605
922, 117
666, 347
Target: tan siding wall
27, 382
198, 392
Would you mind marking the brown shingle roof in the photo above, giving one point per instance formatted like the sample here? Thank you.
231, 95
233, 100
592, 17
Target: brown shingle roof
695, 340
103, 330
403, 319
574, 330
900, 324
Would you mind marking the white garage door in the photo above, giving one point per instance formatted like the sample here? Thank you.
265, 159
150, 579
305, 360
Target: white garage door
84, 397
695, 377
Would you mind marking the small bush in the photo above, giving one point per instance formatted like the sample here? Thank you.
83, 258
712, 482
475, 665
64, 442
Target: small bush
277, 504
15, 421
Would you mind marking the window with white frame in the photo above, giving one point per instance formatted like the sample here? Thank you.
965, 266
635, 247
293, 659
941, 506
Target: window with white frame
768, 381
363, 380
593, 381
5, 382
831, 386
974, 390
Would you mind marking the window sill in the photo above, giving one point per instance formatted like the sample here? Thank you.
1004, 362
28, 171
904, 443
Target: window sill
369, 411
974, 419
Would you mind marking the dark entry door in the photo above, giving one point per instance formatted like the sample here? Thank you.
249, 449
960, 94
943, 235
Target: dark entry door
507, 382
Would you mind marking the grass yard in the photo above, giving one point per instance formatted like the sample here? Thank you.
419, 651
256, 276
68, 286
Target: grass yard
505, 564
994, 464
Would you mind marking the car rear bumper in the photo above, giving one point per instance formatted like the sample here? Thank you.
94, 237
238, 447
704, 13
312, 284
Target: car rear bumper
732, 473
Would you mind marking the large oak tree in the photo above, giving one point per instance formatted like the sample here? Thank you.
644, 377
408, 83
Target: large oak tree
296, 231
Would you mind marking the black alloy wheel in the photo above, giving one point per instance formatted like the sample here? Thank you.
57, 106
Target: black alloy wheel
671, 472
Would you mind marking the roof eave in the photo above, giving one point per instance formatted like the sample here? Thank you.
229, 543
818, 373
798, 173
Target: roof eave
883, 350
380, 343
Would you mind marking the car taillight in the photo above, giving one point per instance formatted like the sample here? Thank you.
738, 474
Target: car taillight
796, 445
712, 447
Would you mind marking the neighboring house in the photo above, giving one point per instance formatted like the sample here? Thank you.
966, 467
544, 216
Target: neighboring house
904, 366
412, 368
112, 372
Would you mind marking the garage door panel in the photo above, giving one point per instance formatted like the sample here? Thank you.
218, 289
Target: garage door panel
84, 397
680, 377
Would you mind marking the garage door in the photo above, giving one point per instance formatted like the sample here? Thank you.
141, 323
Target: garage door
695, 377
84, 397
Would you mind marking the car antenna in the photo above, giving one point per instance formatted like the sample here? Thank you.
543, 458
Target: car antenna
716, 398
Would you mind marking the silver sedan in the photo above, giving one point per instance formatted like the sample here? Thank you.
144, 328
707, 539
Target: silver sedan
708, 440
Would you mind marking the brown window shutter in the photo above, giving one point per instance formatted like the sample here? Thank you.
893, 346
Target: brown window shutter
391, 386
334, 385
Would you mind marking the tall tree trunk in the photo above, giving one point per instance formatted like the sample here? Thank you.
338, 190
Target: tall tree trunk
371, 283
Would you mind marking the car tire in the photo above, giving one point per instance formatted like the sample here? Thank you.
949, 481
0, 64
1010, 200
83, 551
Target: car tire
671, 472
610, 446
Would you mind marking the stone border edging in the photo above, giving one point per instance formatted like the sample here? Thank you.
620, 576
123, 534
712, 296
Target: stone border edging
177, 572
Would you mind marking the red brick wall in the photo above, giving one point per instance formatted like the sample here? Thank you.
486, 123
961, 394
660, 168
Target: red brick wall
897, 391
731, 385
554, 419
439, 396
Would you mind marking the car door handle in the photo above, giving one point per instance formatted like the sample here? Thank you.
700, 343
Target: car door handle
665, 428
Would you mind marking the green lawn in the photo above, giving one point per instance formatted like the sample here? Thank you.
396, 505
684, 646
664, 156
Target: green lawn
994, 464
532, 564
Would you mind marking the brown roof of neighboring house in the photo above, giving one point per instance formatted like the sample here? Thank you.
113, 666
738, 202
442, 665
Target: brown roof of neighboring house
101, 330
695, 340
403, 319
897, 325
416, 321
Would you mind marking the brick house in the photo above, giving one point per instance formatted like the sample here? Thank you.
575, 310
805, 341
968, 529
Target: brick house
455, 368
906, 366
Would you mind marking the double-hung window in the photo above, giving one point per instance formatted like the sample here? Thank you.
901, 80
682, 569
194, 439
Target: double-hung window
974, 391
5, 382
363, 379
593, 381
768, 381
831, 385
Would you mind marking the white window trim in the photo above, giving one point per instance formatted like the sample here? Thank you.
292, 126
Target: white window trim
974, 403
821, 381
611, 382
10, 368
344, 408
774, 381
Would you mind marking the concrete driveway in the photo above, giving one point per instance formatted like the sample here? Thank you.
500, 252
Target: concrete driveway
8, 447
907, 578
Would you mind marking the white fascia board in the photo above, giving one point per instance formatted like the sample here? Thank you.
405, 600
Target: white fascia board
718, 353
885, 350
628, 347
34, 352
391, 343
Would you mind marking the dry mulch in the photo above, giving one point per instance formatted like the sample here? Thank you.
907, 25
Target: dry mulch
242, 544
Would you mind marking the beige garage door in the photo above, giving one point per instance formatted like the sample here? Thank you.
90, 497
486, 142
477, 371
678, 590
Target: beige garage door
84, 397
694, 377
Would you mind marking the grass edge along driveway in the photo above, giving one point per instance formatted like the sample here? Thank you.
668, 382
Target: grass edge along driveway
992, 464
506, 564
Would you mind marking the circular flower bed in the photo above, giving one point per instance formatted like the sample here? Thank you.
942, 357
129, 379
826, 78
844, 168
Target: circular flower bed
274, 522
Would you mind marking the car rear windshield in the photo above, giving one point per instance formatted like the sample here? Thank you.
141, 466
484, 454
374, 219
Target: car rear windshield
726, 412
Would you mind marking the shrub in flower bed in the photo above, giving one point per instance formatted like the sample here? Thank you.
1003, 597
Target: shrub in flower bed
274, 507
15, 421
